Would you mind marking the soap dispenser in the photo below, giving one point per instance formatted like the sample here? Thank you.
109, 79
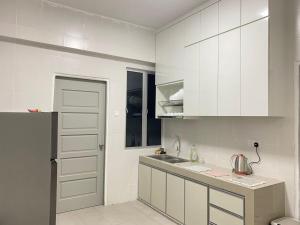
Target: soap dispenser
194, 154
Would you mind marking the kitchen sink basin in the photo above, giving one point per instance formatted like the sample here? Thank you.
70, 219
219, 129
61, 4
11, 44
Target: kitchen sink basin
168, 158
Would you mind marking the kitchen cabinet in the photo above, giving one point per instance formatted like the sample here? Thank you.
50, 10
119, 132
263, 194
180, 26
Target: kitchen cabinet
158, 190
255, 69
229, 202
208, 77
192, 29
219, 217
191, 199
175, 197
145, 183
229, 15
169, 54
229, 81
209, 21
252, 10
241, 59
191, 80
195, 203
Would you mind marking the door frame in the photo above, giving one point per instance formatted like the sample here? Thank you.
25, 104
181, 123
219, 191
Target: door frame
107, 103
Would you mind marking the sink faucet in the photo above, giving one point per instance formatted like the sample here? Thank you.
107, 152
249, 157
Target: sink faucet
178, 148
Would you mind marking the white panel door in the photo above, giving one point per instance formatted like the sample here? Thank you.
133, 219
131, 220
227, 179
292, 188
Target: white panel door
229, 14
229, 88
210, 21
252, 10
81, 130
191, 81
254, 71
208, 77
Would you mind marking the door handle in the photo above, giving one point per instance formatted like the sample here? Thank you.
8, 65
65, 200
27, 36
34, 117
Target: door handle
101, 147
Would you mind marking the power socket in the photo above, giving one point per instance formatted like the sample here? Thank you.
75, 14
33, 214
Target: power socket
253, 144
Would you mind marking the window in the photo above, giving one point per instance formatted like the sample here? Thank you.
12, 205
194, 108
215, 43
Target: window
142, 128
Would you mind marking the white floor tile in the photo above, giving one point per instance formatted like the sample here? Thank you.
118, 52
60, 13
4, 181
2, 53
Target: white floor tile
131, 213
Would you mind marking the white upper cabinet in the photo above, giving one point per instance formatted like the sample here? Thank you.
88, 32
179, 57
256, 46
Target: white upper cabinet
170, 54
208, 77
192, 29
209, 21
229, 88
239, 67
252, 10
254, 68
229, 15
191, 81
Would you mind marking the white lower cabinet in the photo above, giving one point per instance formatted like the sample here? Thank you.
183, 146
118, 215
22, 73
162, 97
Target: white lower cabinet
175, 197
145, 183
219, 217
158, 190
195, 203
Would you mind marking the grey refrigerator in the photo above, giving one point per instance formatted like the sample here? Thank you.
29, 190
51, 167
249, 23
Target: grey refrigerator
28, 170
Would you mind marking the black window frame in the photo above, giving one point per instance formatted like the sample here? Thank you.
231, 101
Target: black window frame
144, 145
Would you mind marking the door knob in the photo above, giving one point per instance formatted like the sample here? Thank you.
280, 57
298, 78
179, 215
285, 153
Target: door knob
101, 147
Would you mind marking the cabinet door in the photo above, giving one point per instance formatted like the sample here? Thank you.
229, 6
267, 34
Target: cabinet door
169, 54
254, 63
252, 10
195, 204
208, 77
191, 81
144, 183
229, 88
220, 217
229, 14
158, 190
210, 21
192, 29
175, 197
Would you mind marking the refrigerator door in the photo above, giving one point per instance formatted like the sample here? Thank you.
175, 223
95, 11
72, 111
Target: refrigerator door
27, 174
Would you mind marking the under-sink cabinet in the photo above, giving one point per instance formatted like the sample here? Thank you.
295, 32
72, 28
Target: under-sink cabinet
145, 183
192, 198
196, 197
175, 197
158, 189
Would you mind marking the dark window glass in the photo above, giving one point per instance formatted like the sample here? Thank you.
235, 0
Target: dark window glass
153, 124
134, 109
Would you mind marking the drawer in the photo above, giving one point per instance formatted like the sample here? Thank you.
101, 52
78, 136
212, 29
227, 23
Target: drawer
219, 217
227, 201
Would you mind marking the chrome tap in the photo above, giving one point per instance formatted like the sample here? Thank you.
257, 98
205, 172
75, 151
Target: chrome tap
178, 148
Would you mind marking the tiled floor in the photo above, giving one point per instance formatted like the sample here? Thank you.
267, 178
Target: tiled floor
132, 213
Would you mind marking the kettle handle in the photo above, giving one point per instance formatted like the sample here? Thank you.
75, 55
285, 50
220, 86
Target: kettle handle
233, 157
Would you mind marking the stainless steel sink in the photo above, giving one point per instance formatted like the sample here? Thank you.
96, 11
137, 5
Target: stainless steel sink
168, 158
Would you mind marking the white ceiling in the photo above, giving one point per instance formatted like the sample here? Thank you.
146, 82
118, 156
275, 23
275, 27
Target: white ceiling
149, 13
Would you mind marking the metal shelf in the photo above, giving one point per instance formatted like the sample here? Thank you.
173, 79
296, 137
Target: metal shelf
171, 103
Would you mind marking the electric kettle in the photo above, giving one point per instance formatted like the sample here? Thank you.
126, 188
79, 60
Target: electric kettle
240, 166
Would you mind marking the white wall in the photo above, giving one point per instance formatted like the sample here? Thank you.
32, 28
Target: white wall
217, 139
45, 22
26, 81
27, 72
